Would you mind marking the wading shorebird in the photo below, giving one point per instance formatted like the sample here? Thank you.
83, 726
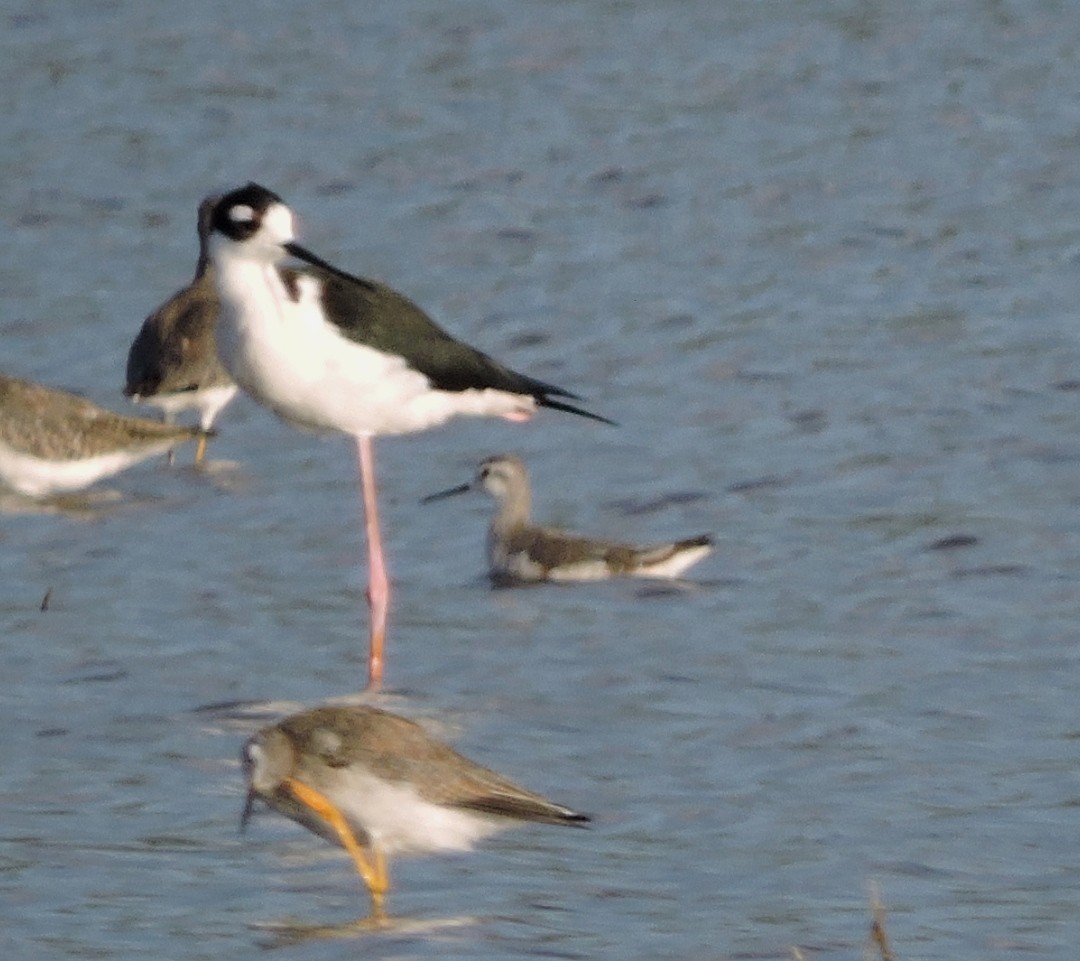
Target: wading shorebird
521, 552
173, 361
326, 350
378, 784
53, 442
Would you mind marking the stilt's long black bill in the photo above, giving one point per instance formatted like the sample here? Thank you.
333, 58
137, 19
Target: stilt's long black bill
302, 253
249, 807
450, 492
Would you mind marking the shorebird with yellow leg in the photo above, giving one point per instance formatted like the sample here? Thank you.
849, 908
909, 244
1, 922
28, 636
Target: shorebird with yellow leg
327, 350
53, 442
378, 784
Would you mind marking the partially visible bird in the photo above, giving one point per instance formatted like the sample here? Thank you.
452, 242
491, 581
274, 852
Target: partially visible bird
521, 552
53, 442
173, 362
378, 784
326, 350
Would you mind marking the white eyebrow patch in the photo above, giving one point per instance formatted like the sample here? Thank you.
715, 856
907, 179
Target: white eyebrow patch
241, 214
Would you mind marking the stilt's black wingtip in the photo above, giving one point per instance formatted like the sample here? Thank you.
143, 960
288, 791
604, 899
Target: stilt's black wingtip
571, 409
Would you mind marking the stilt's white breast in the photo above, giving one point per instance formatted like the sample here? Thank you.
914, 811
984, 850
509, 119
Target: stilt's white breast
290, 358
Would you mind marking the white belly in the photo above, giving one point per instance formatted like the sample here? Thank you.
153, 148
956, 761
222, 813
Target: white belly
400, 822
37, 477
208, 401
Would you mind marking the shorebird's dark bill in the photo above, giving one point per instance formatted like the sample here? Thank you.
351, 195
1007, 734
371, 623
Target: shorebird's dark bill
249, 807
450, 492
302, 253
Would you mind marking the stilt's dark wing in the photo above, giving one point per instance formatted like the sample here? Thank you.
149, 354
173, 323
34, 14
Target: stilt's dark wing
375, 315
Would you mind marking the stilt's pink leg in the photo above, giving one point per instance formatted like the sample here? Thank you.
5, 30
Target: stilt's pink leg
378, 583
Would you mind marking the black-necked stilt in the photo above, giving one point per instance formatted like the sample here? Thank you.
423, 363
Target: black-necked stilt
519, 551
378, 784
52, 442
173, 361
324, 349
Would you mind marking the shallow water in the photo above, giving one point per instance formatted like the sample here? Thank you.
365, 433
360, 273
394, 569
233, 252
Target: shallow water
818, 260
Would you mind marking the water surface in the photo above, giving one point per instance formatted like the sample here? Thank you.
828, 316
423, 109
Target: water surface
818, 260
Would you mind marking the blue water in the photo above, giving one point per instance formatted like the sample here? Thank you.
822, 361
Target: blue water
819, 260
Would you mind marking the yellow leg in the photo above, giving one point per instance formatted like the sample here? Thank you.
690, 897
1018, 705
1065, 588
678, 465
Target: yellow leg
374, 875
200, 450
